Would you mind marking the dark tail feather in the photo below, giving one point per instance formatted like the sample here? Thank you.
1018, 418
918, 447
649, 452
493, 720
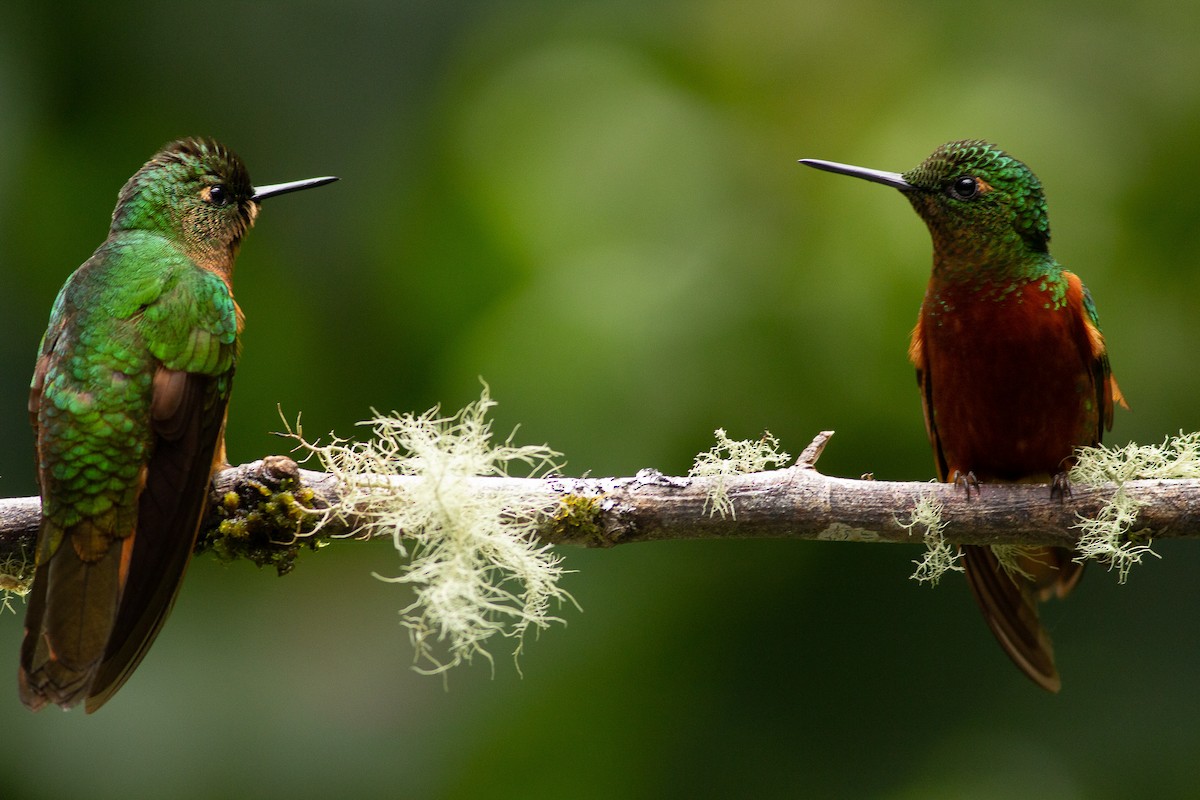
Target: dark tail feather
72, 605
155, 575
1009, 604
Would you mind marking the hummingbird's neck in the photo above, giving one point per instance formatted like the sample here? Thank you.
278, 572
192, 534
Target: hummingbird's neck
214, 255
959, 256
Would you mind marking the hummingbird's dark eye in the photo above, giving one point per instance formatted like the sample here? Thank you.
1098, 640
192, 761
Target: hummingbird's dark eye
964, 188
217, 195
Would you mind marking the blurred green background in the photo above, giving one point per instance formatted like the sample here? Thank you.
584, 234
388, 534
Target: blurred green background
596, 207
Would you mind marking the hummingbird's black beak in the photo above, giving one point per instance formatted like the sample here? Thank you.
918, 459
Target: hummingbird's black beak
893, 179
263, 192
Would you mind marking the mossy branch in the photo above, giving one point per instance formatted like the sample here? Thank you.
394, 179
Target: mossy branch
477, 544
793, 503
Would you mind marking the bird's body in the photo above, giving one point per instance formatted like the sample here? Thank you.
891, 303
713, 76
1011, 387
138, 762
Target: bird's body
1008, 377
1012, 366
128, 404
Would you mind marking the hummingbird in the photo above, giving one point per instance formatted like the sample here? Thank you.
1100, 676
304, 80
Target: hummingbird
128, 404
1011, 364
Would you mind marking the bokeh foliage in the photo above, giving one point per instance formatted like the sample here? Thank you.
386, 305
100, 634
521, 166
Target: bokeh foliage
595, 207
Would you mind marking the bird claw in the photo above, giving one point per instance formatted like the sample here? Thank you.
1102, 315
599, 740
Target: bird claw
1060, 486
966, 481
277, 470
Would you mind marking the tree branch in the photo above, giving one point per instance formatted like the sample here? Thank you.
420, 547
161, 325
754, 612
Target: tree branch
266, 510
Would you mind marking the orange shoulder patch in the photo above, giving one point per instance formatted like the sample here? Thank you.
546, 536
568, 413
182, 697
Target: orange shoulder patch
916, 346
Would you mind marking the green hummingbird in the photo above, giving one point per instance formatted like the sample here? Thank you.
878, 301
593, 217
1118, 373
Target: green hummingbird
128, 404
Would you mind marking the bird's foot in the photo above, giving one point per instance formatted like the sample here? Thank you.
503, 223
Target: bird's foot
279, 471
1060, 486
966, 481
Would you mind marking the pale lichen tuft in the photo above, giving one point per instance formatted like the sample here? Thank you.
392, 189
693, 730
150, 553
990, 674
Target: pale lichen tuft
940, 556
728, 457
16, 577
474, 561
1109, 537
1012, 557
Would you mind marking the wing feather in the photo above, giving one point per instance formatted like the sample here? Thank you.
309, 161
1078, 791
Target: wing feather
170, 510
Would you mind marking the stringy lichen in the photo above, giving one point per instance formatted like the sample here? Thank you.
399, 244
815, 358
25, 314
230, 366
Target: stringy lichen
1108, 537
728, 457
940, 556
16, 575
1012, 557
474, 561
